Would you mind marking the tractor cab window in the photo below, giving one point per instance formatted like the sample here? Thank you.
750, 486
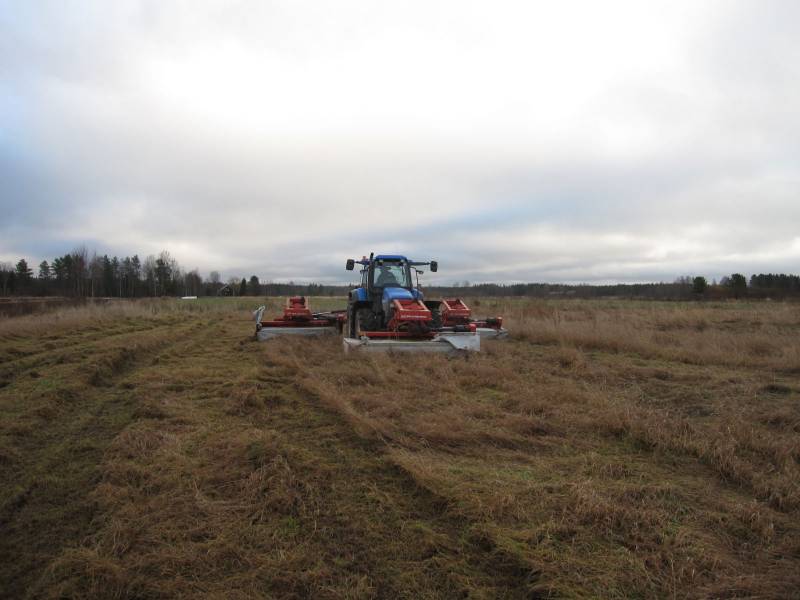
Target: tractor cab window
390, 274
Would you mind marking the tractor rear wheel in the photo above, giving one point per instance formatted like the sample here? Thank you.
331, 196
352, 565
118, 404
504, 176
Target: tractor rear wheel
351, 322
363, 321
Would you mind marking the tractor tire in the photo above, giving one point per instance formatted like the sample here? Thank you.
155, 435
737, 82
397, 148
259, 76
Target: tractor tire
351, 322
363, 321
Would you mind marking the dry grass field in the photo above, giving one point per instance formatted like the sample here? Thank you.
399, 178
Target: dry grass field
609, 449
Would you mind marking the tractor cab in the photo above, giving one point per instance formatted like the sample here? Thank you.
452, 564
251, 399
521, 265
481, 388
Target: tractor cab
382, 272
385, 278
389, 273
388, 278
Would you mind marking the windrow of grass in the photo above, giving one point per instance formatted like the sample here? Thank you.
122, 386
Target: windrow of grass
59, 411
77, 320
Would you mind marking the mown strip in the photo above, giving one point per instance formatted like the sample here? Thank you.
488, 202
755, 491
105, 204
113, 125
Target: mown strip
55, 429
234, 482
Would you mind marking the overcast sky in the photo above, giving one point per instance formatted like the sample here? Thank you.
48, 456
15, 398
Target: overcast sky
512, 141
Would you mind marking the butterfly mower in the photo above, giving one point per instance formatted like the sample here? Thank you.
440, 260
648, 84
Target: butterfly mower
388, 312
297, 319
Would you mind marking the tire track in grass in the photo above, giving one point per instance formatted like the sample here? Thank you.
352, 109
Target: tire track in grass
57, 451
249, 487
394, 525
54, 352
580, 512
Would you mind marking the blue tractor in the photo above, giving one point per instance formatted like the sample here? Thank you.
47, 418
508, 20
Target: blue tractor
389, 299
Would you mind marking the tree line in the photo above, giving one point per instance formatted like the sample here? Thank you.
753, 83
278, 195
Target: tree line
735, 285
81, 274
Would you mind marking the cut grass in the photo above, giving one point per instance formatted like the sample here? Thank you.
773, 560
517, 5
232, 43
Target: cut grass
609, 449
619, 466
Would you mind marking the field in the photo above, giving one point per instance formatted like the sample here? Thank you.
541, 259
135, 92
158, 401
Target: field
612, 449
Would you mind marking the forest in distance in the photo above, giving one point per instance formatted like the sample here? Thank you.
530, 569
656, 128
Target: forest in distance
89, 275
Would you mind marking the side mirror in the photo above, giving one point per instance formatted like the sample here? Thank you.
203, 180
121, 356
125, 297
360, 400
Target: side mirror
434, 266
350, 264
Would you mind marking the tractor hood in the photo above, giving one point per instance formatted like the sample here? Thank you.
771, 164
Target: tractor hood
394, 293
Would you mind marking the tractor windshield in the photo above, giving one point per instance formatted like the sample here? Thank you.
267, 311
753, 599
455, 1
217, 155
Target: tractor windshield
392, 274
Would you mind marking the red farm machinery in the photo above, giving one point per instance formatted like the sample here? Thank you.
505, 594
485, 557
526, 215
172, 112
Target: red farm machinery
297, 319
388, 311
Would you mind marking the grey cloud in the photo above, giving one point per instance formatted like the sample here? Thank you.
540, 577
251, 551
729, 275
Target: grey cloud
658, 176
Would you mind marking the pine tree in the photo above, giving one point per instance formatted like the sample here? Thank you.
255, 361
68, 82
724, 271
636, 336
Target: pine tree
45, 273
254, 285
24, 274
738, 283
699, 285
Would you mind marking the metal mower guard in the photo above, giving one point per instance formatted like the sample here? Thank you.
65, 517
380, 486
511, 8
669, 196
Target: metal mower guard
297, 319
446, 342
411, 329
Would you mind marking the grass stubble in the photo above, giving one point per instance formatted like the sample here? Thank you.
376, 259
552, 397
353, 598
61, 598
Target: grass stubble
609, 449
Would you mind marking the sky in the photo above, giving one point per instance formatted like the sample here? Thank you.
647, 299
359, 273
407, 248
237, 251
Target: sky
584, 142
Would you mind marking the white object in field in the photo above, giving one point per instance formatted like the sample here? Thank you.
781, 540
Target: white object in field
444, 342
188, 297
488, 333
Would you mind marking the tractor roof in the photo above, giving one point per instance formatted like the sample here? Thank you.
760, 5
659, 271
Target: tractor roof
390, 257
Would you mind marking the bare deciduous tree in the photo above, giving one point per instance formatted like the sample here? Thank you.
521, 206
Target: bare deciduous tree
6, 271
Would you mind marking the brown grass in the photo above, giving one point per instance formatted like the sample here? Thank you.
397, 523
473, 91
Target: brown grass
730, 334
606, 443
609, 449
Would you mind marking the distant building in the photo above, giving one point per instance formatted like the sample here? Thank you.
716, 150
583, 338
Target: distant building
225, 290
